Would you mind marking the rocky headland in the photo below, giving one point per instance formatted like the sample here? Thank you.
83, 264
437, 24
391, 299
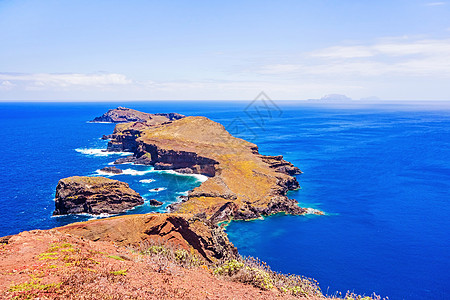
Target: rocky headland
94, 195
242, 184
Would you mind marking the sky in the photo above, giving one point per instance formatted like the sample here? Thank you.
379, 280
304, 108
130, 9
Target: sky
223, 50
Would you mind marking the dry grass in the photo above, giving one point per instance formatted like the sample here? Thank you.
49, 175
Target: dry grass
247, 270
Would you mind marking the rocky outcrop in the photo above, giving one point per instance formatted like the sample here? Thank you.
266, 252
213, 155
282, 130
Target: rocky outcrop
242, 184
180, 230
154, 202
94, 195
123, 114
280, 165
112, 170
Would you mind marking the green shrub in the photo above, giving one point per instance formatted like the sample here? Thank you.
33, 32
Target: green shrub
166, 254
115, 257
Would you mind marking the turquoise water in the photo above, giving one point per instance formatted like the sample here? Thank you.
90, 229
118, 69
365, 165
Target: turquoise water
381, 173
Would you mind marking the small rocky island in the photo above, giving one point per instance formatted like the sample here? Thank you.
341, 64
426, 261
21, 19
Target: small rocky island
111, 170
123, 114
94, 195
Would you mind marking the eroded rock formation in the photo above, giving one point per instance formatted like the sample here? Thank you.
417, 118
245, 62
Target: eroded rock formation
111, 170
94, 195
180, 230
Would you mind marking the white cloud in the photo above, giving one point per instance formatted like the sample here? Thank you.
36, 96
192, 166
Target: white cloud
344, 52
435, 3
41, 81
401, 68
398, 57
279, 68
6, 85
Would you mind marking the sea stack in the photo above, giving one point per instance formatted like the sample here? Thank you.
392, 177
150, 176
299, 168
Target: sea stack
94, 195
111, 170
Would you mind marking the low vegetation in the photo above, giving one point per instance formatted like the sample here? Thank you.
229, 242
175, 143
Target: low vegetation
76, 271
247, 270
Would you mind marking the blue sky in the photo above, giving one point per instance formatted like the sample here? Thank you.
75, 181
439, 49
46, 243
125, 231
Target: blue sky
207, 50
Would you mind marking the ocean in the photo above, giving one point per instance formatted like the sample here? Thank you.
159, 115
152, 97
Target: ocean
381, 172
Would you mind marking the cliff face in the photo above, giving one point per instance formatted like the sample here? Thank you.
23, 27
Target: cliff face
243, 184
94, 195
123, 114
181, 231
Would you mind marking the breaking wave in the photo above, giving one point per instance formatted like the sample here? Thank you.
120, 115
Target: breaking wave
100, 152
125, 172
157, 190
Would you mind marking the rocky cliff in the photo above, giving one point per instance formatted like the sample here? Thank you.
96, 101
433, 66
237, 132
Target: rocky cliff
243, 184
181, 231
123, 114
94, 195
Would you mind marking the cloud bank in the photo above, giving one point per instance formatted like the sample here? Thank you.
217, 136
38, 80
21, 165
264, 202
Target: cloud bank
391, 68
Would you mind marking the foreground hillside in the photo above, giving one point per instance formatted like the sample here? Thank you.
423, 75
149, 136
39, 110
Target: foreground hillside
156, 256
53, 265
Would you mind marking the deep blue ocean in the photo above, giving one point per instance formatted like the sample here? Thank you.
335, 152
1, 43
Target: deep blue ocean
380, 172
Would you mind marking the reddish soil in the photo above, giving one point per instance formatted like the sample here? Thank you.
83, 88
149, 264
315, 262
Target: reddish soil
54, 265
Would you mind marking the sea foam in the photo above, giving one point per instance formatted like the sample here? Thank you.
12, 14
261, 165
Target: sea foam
147, 180
199, 177
125, 172
157, 190
100, 152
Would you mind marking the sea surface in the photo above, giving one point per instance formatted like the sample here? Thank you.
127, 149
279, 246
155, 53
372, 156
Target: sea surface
381, 172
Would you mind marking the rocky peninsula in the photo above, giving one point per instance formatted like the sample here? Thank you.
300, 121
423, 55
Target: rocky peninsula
242, 184
94, 195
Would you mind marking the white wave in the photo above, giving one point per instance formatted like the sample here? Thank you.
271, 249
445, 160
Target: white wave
157, 190
102, 215
125, 172
91, 216
312, 211
100, 152
99, 122
183, 193
125, 163
199, 177
147, 180
136, 172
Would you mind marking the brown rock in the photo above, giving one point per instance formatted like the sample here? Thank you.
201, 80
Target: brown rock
183, 231
154, 202
94, 195
112, 170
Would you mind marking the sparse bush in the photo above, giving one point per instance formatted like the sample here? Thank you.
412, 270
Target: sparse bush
116, 257
33, 289
119, 272
352, 296
165, 254
254, 272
